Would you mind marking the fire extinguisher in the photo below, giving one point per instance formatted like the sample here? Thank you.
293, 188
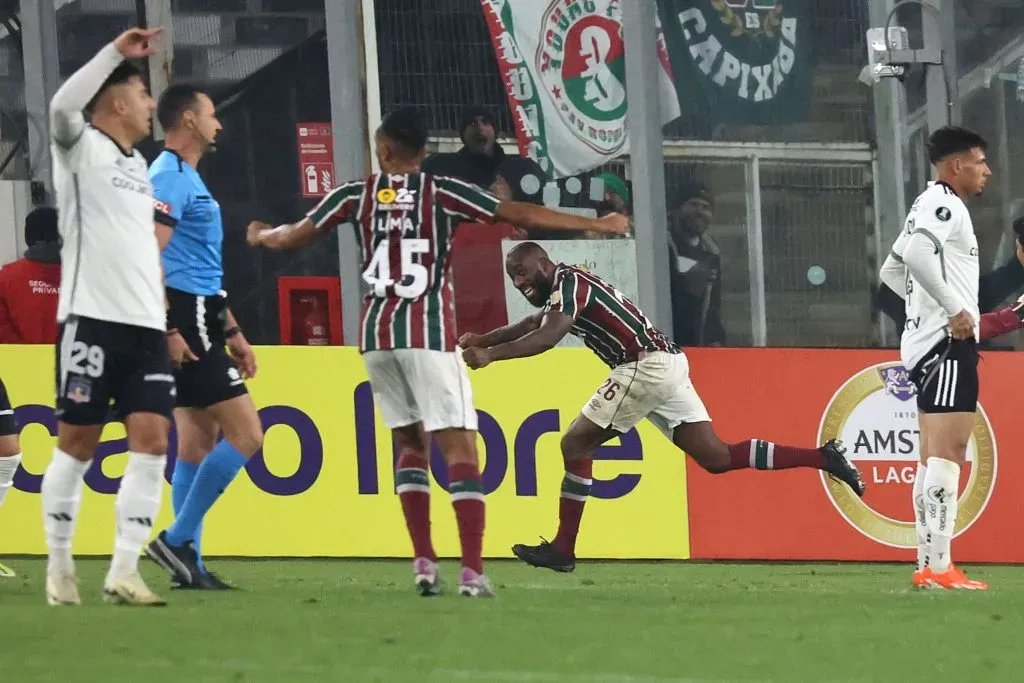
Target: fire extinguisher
315, 324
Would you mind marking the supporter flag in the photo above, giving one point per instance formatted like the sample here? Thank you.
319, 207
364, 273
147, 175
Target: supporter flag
565, 74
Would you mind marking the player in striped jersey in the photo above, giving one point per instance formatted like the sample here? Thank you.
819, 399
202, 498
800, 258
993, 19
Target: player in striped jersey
650, 378
405, 222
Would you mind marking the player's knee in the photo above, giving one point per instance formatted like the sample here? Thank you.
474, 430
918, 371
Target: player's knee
9, 445
150, 442
248, 441
571, 447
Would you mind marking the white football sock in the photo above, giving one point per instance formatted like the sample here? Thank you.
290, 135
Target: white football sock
8, 466
62, 497
919, 517
138, 503
941, 485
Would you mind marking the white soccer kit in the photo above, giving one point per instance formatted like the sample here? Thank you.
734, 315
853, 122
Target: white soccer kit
934, 266
111, 258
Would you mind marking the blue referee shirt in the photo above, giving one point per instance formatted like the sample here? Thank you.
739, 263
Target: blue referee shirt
192, 260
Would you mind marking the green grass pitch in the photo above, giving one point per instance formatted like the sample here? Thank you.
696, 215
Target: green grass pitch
360, 622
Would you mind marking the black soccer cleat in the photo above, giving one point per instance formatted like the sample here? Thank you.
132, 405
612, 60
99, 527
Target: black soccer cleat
207, 581
546, 556
840, 468
180, 561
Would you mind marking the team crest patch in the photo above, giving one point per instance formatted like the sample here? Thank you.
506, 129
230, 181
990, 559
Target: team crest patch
943, 214
79, 390
897, 382
556, 298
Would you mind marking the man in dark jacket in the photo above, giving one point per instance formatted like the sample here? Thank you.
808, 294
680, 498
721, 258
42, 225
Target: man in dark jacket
696, 266
483, 162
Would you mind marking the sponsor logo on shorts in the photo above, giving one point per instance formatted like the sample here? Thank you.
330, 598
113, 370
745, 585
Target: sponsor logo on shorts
79, 390
235, 377
875, 416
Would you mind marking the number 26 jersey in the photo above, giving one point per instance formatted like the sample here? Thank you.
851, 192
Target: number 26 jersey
405, 225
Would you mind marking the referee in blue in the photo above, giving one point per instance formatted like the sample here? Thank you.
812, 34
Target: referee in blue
210, 378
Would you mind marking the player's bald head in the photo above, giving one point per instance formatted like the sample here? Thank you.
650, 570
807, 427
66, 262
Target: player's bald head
526, 253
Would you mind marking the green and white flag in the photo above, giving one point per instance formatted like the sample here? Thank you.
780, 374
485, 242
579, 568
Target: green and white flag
564, 67
740, 61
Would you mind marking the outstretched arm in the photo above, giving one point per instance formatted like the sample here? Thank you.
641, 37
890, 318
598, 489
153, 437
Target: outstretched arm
504, 334
525, 215
283, 237
553, 327
1003, 321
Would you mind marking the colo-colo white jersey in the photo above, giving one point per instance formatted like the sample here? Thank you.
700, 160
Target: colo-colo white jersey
941, 217
110, 258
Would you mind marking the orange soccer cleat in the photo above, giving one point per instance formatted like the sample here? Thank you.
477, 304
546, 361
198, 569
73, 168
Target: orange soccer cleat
953, 579
922, 578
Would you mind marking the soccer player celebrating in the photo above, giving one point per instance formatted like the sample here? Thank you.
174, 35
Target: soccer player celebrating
10, 457
937, 252
405, 222
211, 392
112, 343
650, 379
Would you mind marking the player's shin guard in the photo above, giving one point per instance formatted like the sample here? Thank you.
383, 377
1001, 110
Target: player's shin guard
412, 483
920, 520
467, 494
138, 503
576, 485
941, 484
8, 466
765, 455
61, 494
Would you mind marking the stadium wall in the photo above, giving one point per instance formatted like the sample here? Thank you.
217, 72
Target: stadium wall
324, 486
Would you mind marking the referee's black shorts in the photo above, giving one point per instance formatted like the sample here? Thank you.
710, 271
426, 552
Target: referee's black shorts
7, 425
947, 378
213, 378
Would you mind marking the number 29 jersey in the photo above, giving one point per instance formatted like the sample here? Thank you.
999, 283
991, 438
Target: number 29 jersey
405, 225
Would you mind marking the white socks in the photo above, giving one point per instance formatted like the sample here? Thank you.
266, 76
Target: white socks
138, 503
920, 522
8, 466
941, 485
62, 497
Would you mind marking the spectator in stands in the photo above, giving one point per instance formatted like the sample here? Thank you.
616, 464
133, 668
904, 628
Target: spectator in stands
696, 266
29, 287
616, 200
993, 287
482, 160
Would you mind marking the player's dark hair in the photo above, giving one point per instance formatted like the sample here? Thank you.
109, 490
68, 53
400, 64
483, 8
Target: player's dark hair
1018, 230
950, 140
406, 129
124, 72
174, 102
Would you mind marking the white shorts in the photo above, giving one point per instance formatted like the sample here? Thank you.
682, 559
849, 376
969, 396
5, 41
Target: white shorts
657, 387
421, 385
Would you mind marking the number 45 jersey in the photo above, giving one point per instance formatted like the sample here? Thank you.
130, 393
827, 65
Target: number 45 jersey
405, 226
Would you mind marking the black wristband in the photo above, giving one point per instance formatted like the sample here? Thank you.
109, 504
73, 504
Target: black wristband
232, 331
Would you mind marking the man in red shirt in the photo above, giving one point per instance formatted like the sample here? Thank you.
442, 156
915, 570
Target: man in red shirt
29, 286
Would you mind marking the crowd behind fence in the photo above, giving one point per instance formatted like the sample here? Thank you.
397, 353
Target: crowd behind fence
794, 242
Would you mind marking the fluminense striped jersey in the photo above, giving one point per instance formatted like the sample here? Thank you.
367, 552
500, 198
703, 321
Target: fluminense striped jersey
405, 225
609, 324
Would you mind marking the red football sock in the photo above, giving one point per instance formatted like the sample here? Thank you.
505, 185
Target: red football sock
765, 455
467, 493
412, 480
579, 476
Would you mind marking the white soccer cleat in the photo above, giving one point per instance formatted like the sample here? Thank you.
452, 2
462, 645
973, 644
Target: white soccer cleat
62, 590
473, 585
131, 590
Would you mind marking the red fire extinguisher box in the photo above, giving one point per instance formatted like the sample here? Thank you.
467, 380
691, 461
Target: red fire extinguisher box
310, 311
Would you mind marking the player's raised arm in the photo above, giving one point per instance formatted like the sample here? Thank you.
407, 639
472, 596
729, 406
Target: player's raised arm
1003, 321
339, 206
554, 325
66, 118
459, 198
525, 215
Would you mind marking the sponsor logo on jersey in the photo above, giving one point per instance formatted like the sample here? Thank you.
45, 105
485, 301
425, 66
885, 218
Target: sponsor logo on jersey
875, 414
401, 199
163, 207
